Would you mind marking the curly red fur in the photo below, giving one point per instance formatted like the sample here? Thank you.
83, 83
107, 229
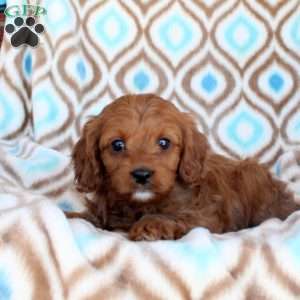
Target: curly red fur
191, 186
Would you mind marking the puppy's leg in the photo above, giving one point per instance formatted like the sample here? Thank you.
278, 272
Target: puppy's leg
157, 227
174, 226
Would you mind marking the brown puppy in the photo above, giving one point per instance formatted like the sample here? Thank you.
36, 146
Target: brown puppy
154, 175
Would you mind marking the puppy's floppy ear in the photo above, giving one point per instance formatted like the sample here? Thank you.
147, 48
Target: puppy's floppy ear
87, 158
195, 146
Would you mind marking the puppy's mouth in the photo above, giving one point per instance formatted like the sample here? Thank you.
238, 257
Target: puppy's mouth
143, 195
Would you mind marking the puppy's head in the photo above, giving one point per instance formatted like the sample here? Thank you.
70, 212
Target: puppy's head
137, 148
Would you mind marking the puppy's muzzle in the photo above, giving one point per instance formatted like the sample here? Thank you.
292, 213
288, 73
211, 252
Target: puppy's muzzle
141, 175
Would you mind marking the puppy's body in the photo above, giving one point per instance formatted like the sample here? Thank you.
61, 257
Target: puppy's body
165, 180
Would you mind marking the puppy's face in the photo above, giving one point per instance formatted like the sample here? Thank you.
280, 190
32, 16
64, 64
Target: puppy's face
140, 149
135, 148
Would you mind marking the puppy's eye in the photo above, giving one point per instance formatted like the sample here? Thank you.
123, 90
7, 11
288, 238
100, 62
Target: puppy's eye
164, 143
118, 145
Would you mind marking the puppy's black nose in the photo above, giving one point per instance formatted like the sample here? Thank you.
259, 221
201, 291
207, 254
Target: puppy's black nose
141, 175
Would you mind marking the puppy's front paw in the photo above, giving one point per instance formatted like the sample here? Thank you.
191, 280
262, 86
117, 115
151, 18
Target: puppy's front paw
156, 227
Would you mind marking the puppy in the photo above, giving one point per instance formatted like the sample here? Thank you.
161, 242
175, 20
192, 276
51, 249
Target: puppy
154, 175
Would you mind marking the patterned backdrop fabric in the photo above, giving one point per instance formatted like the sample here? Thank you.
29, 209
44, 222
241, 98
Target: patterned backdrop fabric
234, 64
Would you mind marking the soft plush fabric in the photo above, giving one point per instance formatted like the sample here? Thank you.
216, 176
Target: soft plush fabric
233, 64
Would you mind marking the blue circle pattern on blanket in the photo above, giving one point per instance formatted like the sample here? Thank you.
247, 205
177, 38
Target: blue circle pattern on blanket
166, 31
42, 160
292, 244
276, 82
244, 129
48, 102
27, 64
58, 18
247, 120
7, 112
295, 30
209, 82
241, 22
175, 34
112, 38
5, 286
81, 70
11, 111
50, 111
141, 80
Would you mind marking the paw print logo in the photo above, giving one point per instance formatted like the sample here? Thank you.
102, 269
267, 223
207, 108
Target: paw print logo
24, 32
